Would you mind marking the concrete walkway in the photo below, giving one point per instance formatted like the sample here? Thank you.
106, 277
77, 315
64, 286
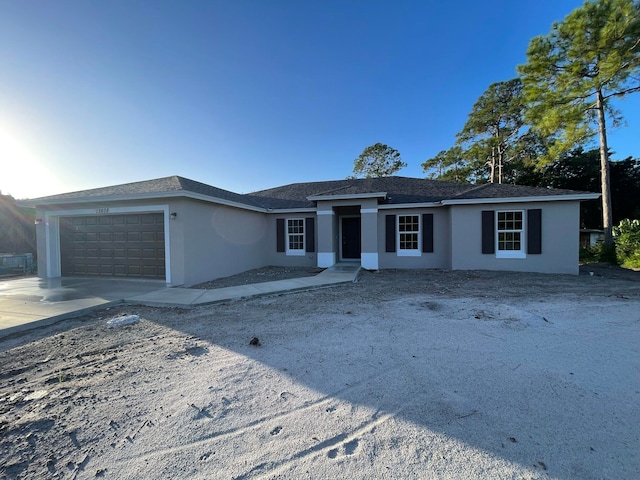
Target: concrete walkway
189, 297
27, 303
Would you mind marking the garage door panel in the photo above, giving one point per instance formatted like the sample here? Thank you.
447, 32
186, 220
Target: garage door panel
106, 270
120, 269
134, 270
113, 245
79, 269
89, 269
152, 271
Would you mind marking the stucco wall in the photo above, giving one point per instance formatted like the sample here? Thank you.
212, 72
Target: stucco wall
440, 258
281, 259
560, 239
218, 240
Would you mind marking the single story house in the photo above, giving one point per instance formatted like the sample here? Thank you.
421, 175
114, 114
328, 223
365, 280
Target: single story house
186, 232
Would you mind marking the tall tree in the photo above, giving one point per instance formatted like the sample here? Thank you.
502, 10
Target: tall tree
449, 165
574, 72
494, 126
378, 160
489, 141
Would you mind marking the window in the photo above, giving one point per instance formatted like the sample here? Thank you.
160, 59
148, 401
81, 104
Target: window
295, 236
510, 235
408, 235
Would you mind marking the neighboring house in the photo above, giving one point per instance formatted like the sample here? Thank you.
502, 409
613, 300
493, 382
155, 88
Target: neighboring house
186, 232
589, 237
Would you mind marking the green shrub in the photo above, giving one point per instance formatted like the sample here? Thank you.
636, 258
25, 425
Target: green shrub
627, 240
587, 255
598, 253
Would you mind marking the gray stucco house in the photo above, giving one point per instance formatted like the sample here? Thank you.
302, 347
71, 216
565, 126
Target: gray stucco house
186, 232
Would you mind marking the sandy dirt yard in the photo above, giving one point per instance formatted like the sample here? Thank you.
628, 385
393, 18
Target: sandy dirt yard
404, 374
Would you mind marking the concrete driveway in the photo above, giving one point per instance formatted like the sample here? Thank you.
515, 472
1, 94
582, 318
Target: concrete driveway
25, 300
29, 302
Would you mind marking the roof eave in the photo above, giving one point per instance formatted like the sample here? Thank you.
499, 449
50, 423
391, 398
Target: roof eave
391, 206
277, 211
541, 198
143, 196
347, 196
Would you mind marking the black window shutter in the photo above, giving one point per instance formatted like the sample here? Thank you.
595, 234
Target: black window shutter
488, 232
280, 234
390, 233
310, 234
534, 231
427, 232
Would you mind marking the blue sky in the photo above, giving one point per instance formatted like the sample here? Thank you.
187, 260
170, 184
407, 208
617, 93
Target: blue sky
246, 95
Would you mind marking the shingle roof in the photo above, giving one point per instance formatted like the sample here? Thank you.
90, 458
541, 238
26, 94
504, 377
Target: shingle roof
495, 190
400, 190
147, 187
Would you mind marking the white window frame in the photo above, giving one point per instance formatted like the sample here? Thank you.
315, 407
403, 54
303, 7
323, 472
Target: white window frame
521, 253
409, 252
288, 235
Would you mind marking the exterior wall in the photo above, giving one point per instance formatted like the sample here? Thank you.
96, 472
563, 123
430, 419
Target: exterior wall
560, 227
206, 241
441, 256
219, 241
281, 259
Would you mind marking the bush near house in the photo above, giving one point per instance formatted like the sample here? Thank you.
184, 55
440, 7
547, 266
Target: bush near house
627, 240
598, 253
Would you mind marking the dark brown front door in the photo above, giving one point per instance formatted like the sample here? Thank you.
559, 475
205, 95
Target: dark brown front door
130, 245
351, 243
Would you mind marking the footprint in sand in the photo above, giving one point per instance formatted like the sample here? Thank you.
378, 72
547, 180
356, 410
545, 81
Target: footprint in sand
349, 449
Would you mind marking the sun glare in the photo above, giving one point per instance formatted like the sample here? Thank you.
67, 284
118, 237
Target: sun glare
22, 173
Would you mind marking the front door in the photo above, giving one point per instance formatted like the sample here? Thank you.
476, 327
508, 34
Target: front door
351, 238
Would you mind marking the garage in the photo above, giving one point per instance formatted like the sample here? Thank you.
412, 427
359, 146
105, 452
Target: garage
127, 245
